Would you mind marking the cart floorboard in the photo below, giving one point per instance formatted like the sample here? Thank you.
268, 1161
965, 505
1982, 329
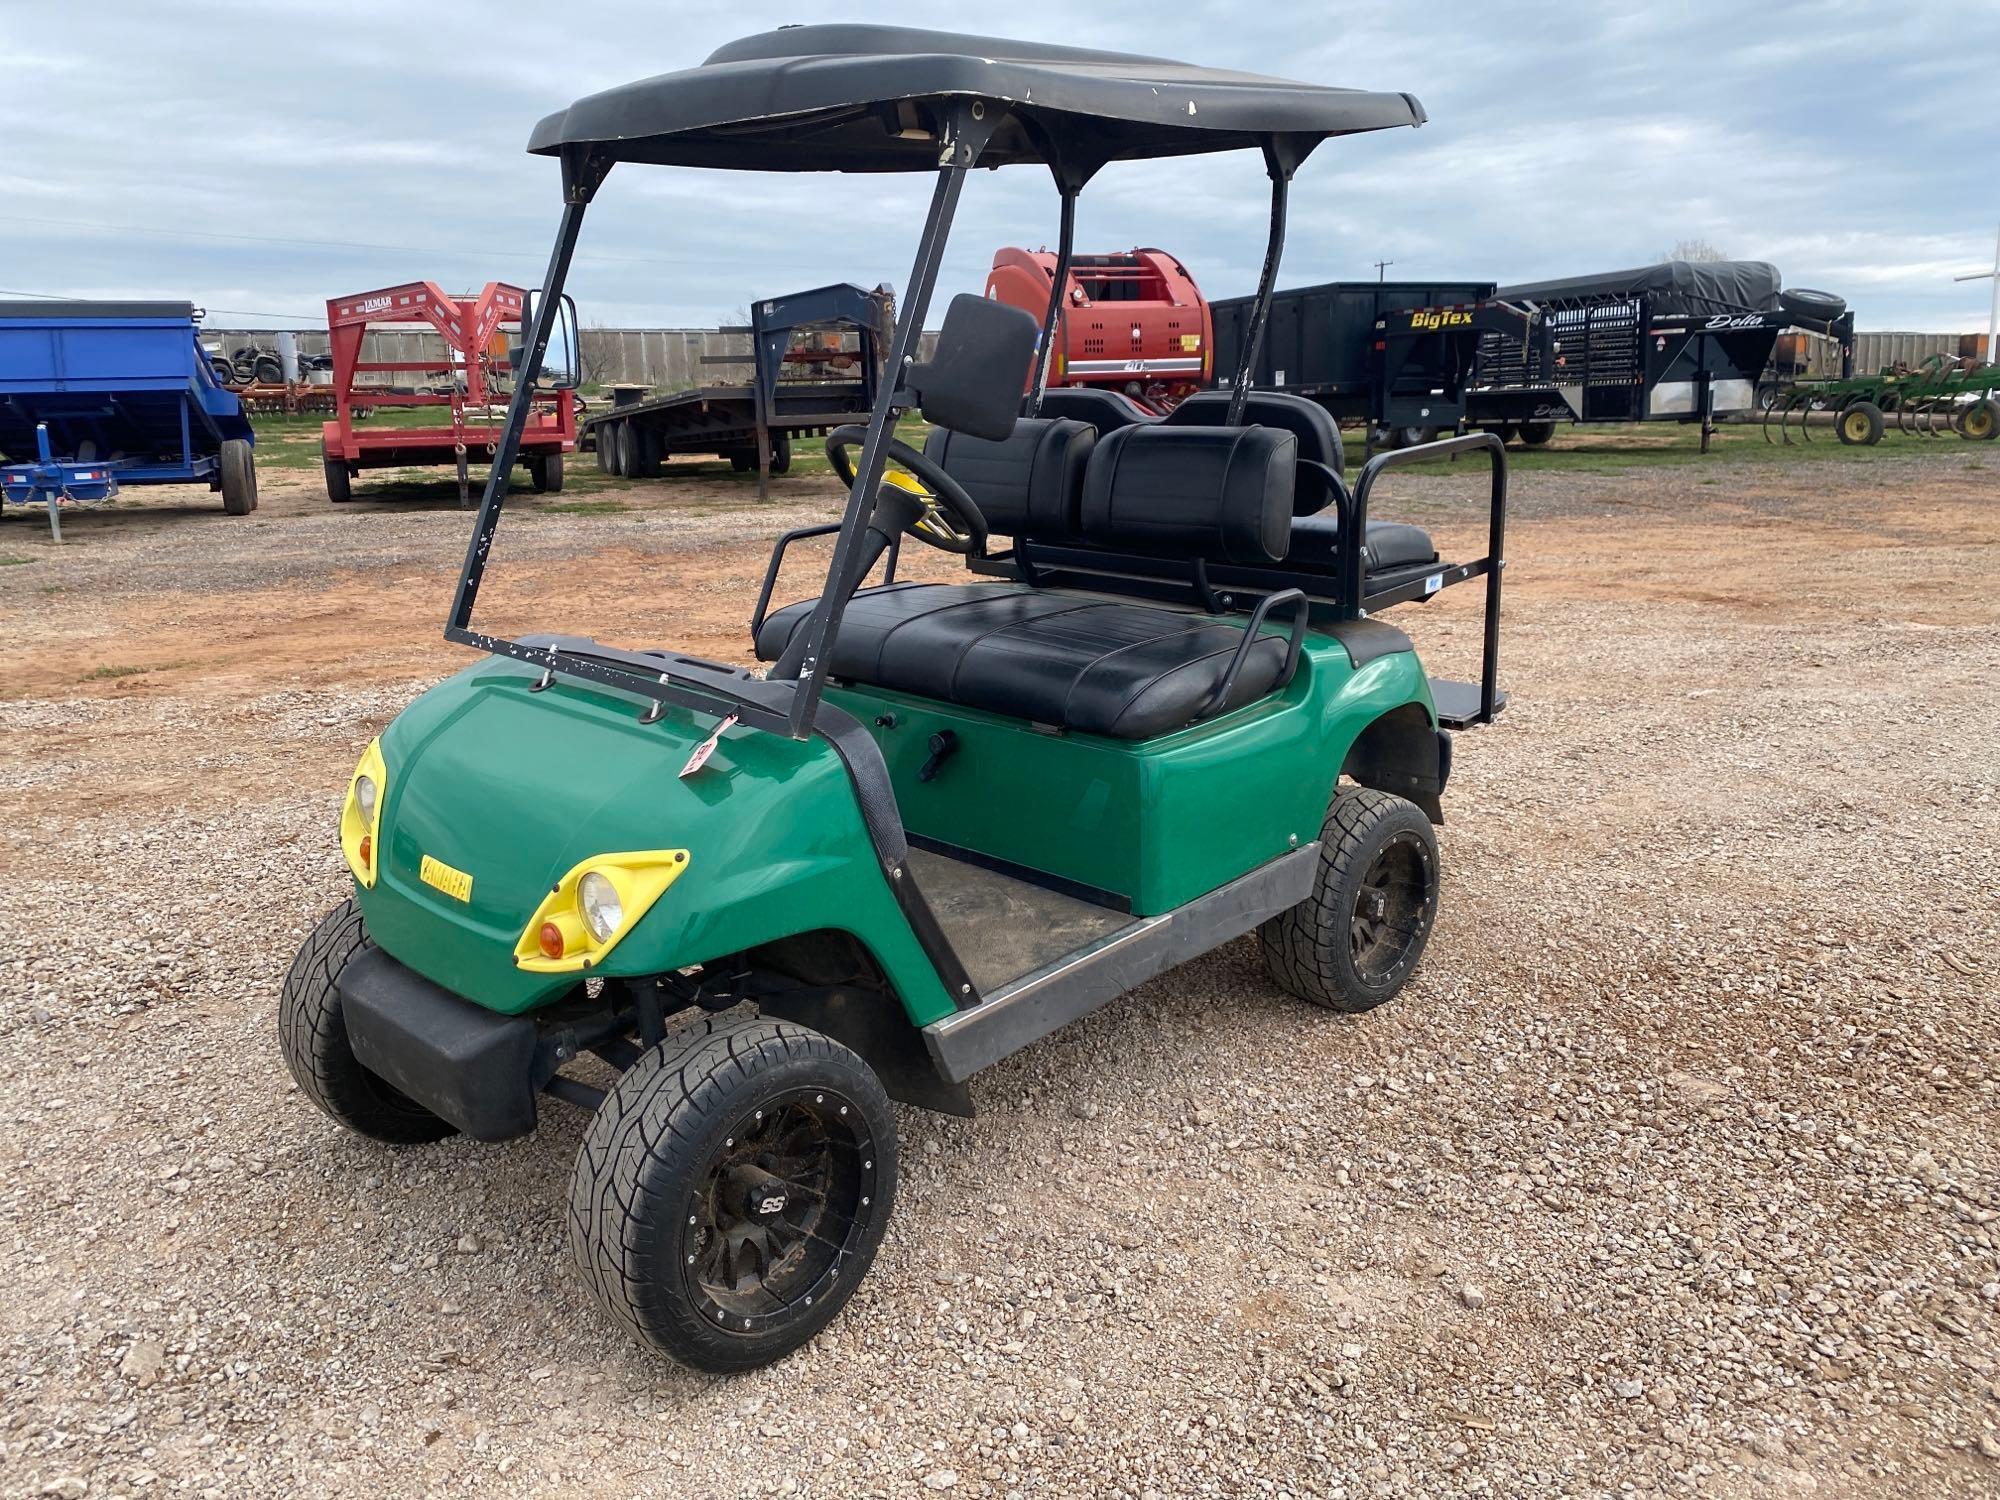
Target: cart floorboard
1003, 926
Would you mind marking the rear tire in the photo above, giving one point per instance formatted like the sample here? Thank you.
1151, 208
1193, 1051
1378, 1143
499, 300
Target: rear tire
741, 460
1356, 940
643, 460
312, 1033
1981, 422
1537, 434
1859, 424
339, 484
239, 477
600, 443
545, 473
671, 1215
268, 372
781, 453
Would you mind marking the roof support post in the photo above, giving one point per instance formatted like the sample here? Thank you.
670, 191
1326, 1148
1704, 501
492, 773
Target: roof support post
1280, 162
536, 337
1045, 352
961, 140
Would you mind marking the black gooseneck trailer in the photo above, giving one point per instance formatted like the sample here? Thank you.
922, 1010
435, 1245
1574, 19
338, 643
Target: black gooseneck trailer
1677, 342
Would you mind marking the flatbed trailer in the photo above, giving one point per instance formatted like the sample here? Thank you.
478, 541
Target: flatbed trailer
475, 377
754, 425
96, 396
1399, 357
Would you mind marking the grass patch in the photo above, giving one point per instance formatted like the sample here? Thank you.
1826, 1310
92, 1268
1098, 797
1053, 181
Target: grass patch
15, 562
103, 674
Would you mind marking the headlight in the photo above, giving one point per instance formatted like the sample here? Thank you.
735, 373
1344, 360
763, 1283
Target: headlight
361, 815
590, 910
597, 899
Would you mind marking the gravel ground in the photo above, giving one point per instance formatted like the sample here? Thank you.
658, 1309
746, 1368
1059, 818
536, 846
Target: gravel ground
1673, 1172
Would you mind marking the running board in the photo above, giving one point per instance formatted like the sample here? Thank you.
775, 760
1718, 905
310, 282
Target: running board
1040, 1002
1457, 703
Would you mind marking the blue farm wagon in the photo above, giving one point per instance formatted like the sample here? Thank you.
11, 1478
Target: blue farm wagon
95, 396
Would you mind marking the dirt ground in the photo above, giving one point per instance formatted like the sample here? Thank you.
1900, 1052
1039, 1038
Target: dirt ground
1674, 1171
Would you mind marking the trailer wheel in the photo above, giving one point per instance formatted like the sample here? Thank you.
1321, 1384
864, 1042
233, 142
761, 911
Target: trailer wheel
1414, 437
741, 460
781, 453
642, 459
1537, 434
1355, 941
239, 477
545, 473
1980, 423
732, 1189
339, 486
1859, 424
601, 445
312, 1033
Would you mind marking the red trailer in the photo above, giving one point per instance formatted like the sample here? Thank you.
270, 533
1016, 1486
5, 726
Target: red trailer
473, 380
1133, 321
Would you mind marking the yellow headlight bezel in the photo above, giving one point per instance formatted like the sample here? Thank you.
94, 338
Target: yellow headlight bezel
353, 825
640, 878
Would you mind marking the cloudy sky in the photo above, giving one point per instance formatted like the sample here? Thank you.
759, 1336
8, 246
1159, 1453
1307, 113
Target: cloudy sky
259, 156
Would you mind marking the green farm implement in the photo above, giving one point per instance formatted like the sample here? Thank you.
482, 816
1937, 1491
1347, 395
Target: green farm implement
1943, 394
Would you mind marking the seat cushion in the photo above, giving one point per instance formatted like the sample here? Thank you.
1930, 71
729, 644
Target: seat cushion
1391, 544
1308, 421
1223, 494
1129, 671
1029, 483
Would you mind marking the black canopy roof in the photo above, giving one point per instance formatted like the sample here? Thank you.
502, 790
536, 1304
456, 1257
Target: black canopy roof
858, 98
1676, 286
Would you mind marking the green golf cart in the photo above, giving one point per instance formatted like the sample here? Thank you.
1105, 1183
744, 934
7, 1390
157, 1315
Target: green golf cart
949, 818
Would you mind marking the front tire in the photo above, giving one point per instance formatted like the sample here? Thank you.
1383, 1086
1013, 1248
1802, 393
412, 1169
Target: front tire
1537, 434
1356, 940
312, 1033
1980, 423
732, 1190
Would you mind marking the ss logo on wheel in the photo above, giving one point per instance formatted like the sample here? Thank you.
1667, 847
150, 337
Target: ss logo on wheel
771, 1206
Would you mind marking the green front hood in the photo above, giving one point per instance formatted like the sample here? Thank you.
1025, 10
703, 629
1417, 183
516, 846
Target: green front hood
515, 788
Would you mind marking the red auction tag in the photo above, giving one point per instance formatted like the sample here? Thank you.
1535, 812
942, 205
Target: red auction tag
706, 748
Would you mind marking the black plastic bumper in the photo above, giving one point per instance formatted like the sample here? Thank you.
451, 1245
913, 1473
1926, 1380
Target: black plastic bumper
458, 1060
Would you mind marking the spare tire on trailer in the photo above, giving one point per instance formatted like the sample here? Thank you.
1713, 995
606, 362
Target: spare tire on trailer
1537, 434
339, 487
545, 473
1803, 302
239, 477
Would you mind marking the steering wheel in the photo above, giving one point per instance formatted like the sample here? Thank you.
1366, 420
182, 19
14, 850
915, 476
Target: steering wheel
950, 521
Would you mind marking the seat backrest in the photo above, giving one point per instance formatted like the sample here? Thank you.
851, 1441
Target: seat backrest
1107, 411
1029, 483
1221, 494
1308, 421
